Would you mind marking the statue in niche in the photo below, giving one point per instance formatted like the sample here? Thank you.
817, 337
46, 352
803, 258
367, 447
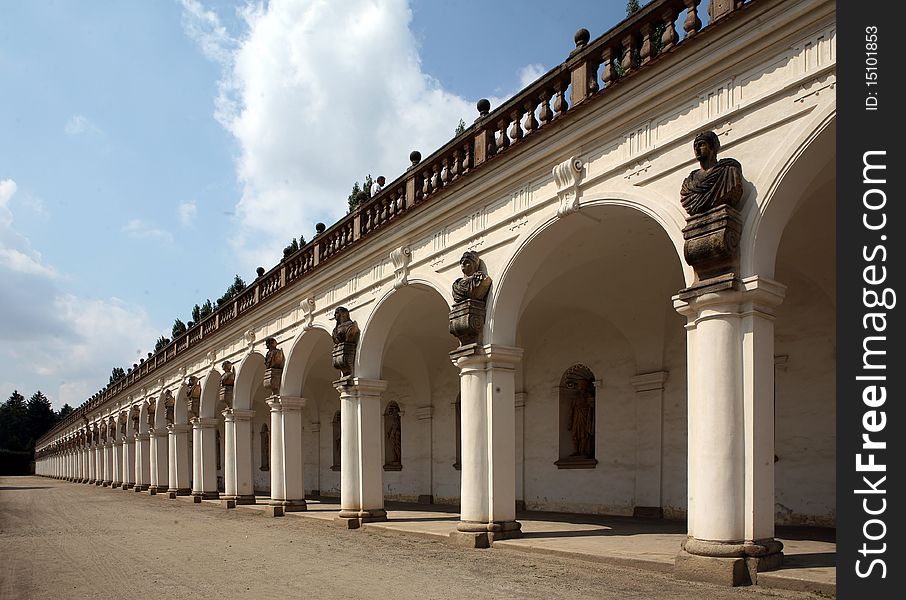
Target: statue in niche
473, 285
274, 358
135, 416
581, 424
716, 183
345, 340
394, 437
265, 448
150, 415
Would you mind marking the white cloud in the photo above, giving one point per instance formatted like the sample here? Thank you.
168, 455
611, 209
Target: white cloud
187, 212
79, 124
529, 73
141, 230
319, 94
50, 338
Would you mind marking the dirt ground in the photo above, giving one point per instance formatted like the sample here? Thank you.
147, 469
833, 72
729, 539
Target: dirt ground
73, 541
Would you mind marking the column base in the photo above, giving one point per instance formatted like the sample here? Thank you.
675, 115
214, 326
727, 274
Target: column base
128, 486
92, 481
140, 487
107, 483
98, 482
725, 564
173, 493
471, 534
116, 484
353, 519
278, 508
197, 497
153, 490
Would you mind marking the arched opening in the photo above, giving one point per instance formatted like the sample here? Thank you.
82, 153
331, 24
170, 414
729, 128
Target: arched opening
407, 344
588, 299
805, 341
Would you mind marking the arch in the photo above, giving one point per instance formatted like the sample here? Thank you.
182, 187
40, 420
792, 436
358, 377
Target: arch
180, 410
377, 328
299, 358
249, 376
160, 410
210, 394
791, 173
143, 415
509, 293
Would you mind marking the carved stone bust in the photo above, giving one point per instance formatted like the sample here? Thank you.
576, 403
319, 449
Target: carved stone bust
717, 182
346, 330
274, 358
229, 374
193, 395
473, 285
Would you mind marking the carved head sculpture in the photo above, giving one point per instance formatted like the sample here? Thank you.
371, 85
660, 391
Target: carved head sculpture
229, 375
123, 417
341, 315
346, 330
274, 357
469, 263
134, 416
150, 414
706, 142
193, 395
169, 404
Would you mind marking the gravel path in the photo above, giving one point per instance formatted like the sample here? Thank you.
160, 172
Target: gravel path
73, 541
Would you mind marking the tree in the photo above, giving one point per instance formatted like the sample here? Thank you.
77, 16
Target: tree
41, 417
196, 314
179, 328
161, 343
231, 292
116, 374
65, 412
360, 192
207, 309
461, 128
13, 423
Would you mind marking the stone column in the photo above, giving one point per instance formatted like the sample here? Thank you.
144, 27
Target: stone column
204, 464
129, 462
361, 435
142, 461
98, 462
287, 492
108, 463
159, 452
178, 460
117, 463
488, 493
649, 418
86, 463
92, 465
237, 470
731, 431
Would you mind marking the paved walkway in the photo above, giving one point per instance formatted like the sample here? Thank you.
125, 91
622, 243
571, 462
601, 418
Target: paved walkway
809, 554
65, 540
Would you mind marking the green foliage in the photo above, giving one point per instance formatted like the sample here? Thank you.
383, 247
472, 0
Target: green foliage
161, 343
179, 328
355, 196
196, 314
632, 7
461, 128
116, 374
207, 309
21, 424
231, 292
65, 411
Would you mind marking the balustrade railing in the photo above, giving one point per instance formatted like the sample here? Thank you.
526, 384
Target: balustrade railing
592, 69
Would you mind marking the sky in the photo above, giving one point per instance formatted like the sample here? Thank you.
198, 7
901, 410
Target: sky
152, 150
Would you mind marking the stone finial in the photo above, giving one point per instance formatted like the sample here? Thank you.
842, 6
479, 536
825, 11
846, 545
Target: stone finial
259, 271
469, 293
581, 38
484, 107
415, 157
345, 341
319, 228
712, 195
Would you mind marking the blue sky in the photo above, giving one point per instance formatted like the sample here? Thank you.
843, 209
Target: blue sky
150, 150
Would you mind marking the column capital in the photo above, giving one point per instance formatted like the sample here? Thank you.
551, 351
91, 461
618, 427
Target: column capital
361, 387
752, 294
645, 382
520, 399
205, 422
487, 356
292, 402
159, 433
178, 427
143, 436
423, 413
117, 442
239, 414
